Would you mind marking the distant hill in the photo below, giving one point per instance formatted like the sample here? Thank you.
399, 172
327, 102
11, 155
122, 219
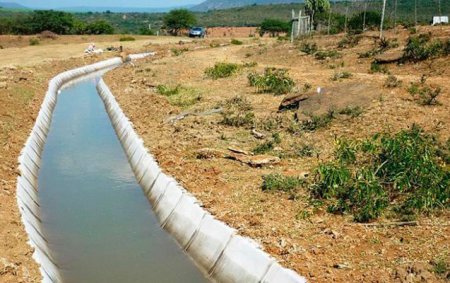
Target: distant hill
209, 5
12, 6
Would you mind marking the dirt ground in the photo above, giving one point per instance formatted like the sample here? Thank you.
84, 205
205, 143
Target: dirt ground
321, 246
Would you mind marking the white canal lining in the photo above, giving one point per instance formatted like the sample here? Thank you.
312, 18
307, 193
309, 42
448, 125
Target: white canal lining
215, 247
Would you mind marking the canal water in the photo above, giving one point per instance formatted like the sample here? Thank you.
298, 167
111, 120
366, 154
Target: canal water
99, 224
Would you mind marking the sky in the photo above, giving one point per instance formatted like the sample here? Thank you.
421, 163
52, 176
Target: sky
47, 4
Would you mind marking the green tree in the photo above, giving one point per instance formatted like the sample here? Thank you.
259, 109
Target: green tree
316, 6
179, 19
372, 19
55, 21
274, 27
99, 27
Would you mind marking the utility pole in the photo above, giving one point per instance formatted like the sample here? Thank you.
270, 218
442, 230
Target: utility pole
415, 13
364, 18
395, 16
346, 19
382, 18
329, 20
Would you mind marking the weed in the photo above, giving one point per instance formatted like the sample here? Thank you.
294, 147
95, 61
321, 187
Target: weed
307, 86
236, 42
127, 38
325, 54
237, 112
345, 151
250, 64
308, 48
34, 41
178, 95
214, 44
351, 111
341, 75
278, 182
306, 151
440, 266
378, 68
222, 70
302, 215
273, 80
167, 90
392, 82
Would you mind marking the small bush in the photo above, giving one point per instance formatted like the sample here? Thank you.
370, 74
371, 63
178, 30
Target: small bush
222, 70
127, 38
236, 42
424, 94
48, 34
351, 111
250, 64
34, 41
421, 47
402, 171
268, 145
325, 54
440, 266
273, 80
341, 75
278, 182
178, 51
237, 112
392, 82
306, 151
308, 47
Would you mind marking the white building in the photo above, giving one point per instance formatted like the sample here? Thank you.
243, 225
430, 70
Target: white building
440, 20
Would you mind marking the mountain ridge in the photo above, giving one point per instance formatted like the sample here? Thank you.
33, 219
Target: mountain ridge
227, 4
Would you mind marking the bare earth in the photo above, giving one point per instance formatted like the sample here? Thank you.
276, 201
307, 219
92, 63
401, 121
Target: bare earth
322, 247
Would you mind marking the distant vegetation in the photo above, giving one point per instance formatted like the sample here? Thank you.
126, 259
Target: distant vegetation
19, 21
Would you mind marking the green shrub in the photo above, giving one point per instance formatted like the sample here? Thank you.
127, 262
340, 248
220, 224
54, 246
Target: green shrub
402, 171
421, 47
273, 80
278, 182
236, 42
222, 70
308, 47
392, 82
268, 145
440, 266
349, 41
127, 38
34, 41
237, 112
250, 64
325, 54
167, 90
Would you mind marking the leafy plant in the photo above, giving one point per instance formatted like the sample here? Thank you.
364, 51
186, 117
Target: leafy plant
392, 82
308, 47
421, 47
378, 68
424, 94
236, 42
324, 54
351, 111
222, 70
341, 75
167, 90
272, 80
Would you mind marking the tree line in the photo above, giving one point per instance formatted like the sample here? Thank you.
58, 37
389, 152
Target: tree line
54, 21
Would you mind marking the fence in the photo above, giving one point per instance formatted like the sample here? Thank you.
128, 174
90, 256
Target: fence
359, 15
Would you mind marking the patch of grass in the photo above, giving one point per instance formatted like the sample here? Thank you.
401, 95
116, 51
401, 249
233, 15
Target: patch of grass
179, 96
351, 111
278, 182
236, 42
424, 94
327, 54
440, 266
268, 145
272, 80
250, 64
308, 47
222, 70
237, 112
341, 75
403, 172
392, 82
34, 41
306, 151
127, 38
178, 51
